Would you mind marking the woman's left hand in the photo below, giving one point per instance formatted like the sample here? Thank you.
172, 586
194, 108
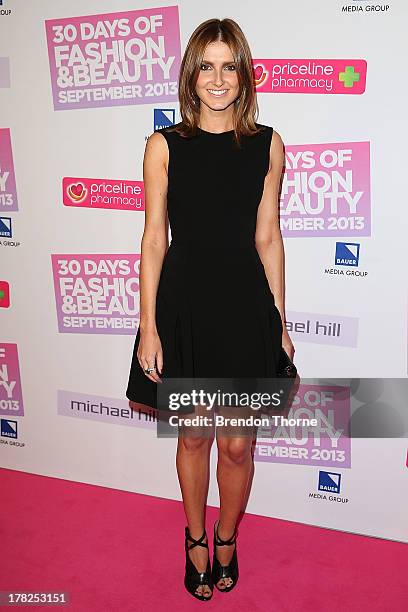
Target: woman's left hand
287, 344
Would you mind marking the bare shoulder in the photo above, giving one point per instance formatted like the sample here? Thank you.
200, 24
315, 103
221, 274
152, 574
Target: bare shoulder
157, 149
156, 142
276, 142
276, 152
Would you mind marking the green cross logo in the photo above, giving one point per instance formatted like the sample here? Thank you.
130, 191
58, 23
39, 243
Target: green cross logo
1, 294
349, 77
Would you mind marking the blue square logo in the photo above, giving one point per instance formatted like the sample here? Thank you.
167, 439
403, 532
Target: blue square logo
347, 254
329, 482
5, 227
8, 428
164, 117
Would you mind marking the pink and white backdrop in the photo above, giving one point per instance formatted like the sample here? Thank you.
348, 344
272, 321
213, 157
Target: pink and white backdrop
82, 85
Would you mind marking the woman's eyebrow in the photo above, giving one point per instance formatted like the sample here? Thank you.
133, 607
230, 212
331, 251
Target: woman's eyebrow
223, 63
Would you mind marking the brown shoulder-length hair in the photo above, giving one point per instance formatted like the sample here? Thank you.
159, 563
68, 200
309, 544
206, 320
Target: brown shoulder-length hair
246, 105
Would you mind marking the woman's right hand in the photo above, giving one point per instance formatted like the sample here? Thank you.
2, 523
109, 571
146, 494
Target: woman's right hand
150, 353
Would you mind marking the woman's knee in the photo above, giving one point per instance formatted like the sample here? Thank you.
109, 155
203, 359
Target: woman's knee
235, 450
194, 443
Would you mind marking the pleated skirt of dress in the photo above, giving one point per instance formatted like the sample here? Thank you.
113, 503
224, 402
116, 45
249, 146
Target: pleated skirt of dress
216, 318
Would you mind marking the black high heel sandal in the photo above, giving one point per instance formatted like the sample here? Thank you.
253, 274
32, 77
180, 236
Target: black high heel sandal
225, 571
193, 578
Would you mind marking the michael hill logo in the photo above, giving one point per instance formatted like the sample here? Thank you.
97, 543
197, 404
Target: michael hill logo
335, 330
103, 193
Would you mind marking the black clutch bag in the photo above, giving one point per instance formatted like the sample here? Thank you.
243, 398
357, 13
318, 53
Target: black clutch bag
286, 373
286, 368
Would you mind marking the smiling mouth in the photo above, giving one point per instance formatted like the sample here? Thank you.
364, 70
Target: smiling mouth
217, 92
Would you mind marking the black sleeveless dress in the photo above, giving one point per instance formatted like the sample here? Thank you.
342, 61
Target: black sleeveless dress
215, 312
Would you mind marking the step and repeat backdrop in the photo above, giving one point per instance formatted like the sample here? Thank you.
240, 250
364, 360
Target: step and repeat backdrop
82, 86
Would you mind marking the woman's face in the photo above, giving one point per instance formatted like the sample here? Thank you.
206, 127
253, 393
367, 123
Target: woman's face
217, 83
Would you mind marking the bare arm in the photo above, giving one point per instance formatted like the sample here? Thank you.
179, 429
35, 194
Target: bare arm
153, 249
155, 238
268, 237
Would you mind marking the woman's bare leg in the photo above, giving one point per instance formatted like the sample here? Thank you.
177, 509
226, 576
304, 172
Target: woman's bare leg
234, 469
192, 462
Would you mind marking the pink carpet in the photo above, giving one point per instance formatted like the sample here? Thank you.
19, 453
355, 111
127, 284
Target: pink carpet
114, 550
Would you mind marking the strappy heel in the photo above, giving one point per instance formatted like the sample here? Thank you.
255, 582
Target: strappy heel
225, 571
193, 578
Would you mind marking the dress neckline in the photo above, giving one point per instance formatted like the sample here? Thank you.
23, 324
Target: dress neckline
215, 133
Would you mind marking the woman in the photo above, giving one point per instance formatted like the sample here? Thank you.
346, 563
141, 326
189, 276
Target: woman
212, 304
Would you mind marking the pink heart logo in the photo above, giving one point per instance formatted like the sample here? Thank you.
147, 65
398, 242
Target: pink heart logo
77, 189
258, 72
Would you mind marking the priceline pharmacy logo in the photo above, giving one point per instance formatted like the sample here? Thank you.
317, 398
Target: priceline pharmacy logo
325, 76
103, 193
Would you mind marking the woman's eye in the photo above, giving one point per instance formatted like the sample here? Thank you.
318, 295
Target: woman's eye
208, 67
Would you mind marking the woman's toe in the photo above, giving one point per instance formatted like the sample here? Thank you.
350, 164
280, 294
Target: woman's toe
203, 591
